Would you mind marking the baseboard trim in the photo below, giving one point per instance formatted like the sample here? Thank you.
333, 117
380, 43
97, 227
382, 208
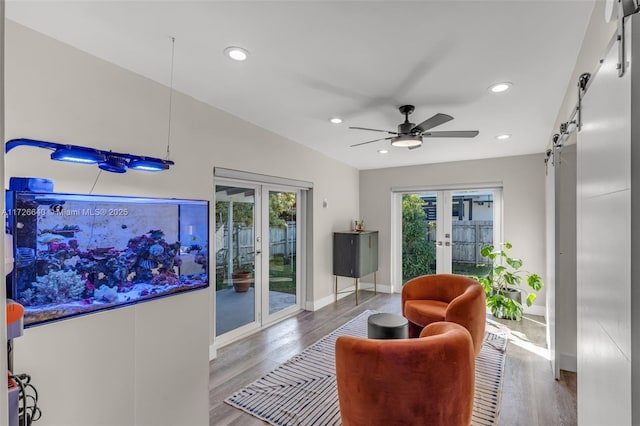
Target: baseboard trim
314, 305
568, 362
535, 310
213, 353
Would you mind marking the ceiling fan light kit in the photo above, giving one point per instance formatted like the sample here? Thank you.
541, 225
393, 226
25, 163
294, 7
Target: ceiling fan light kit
407, 141
410, 136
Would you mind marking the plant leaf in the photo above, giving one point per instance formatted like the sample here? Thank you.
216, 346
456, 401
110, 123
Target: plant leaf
514, 263
511, 278
486, 251
531, 298
535, 282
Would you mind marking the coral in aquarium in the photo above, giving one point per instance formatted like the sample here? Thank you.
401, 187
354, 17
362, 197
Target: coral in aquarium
77, 253
58, 287
156, 250
151, 252
166, 277
27, 297
148, 258
106, 294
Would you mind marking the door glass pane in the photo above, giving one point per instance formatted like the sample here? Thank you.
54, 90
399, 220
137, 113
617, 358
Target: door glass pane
418, 235
282, 250
235, 258
472, 228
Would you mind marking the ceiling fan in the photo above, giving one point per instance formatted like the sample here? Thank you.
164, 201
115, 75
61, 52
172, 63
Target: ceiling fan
410, 136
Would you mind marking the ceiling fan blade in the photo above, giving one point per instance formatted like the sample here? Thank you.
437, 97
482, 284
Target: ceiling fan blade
375, 140
415, 147
375, 130
452, 134
432, 122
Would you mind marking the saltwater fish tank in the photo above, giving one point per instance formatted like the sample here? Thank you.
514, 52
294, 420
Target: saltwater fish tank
76, 254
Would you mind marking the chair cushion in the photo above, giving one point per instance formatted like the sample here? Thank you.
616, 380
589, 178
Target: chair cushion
424, 312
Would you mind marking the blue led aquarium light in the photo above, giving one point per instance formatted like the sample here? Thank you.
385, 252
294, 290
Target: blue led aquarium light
109, 161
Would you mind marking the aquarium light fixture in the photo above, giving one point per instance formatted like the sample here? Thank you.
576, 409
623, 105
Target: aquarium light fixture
78, 155
148, 164
109, 161
114, 164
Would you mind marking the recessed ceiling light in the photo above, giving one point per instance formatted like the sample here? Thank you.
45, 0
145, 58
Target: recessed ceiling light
236, 53
503, 136
383, 151
335, 120
500, 87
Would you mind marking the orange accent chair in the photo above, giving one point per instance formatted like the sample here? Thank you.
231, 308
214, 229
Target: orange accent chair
445, 297
424, 381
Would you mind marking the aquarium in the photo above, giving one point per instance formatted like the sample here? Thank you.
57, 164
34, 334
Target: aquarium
76, 254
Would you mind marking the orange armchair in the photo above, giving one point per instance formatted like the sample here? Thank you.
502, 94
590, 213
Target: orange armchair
425, 381
445, 297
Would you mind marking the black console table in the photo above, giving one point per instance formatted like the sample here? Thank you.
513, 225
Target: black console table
355, 254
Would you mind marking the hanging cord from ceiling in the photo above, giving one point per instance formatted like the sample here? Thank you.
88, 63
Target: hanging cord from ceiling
173, 50
95, 181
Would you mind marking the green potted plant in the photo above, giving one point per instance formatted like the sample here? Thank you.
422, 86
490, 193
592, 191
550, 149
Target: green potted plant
504, 297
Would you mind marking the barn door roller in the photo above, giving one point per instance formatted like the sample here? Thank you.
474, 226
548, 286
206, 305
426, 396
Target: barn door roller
624, 8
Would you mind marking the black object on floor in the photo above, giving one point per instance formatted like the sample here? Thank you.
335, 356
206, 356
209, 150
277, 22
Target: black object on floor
387, 326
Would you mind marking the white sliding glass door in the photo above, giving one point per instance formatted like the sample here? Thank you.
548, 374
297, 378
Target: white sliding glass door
237, 238
280, 292
258, 252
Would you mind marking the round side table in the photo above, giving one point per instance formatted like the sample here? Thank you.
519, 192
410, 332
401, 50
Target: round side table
387, 326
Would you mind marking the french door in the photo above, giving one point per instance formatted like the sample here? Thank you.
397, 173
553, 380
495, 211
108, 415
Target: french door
443, 231
257, 252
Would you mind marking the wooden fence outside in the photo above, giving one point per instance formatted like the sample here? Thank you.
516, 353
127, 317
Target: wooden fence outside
468, 238
282, 242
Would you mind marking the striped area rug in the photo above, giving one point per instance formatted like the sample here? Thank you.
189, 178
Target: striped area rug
302, 391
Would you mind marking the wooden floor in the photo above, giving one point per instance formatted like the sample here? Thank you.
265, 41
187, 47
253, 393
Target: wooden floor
530, 396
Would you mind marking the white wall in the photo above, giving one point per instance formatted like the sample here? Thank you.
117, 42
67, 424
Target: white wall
146, 364
522, 179
605, 246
